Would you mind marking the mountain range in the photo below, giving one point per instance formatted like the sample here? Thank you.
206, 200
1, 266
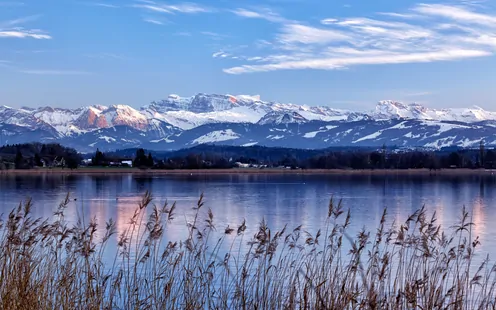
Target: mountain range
180, 122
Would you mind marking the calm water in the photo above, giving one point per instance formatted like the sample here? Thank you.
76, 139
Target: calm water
292, 200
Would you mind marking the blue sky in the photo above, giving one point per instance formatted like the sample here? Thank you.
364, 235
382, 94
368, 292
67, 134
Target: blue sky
341, 53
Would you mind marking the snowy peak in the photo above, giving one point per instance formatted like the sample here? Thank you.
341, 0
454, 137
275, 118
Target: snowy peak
200, 103
277, 118
96, 117
20, 117
389, 109
203, 103
474, 114
119, 115
189, 112
60, 119
91, 118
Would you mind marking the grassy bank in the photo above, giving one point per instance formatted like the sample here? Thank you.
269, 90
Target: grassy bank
47, 264
109, 170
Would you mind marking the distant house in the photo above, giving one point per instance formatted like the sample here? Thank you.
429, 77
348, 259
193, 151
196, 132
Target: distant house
115, 163
127, 163
241, 165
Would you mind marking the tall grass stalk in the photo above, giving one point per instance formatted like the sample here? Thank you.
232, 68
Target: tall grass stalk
49, 264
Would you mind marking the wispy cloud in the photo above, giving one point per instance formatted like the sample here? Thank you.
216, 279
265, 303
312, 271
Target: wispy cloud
263, 13
221, 54
18, 21
7, 65
400, 15
153, 21
21, 33
427, 33
189, 8
153, 8
214, 35
385, 29
105, 5
11, 29
474, 3
53, 72
297, 33
186, 8
337, 63
458, 14
329, 21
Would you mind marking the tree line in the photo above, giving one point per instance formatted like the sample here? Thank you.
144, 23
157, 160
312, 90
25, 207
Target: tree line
140, 159
27, 156
221, 157
31, 155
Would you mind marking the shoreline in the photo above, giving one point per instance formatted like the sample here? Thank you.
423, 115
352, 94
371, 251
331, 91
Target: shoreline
136, 171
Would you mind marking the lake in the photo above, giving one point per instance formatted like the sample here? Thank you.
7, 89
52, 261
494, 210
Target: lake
279, 199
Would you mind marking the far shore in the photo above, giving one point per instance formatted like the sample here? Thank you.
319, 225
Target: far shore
136, 171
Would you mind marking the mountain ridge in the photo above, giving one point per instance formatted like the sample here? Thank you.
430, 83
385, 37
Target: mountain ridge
246, 120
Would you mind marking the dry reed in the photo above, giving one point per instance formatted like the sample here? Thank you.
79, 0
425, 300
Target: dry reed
48, 264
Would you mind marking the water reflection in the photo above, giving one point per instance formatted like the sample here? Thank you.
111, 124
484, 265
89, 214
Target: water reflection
280, 200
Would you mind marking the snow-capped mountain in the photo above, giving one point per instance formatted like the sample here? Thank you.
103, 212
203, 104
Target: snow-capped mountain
391, 109
178, 122
187, 113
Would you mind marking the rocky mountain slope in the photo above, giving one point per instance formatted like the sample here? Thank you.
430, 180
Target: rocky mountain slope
178, 122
